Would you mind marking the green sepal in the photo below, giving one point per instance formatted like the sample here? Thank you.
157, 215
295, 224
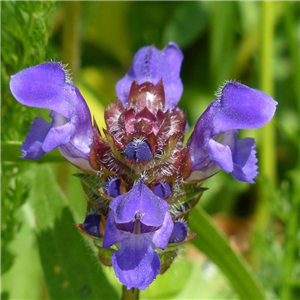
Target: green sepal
166, 259
91, 185
104, 256
185, 202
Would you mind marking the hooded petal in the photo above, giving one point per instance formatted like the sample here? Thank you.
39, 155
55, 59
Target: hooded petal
213, 142
240, 107
140, 199
136, 264
150, 64
48, 86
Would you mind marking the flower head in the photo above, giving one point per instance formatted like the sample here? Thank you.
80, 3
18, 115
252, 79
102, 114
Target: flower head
146, 180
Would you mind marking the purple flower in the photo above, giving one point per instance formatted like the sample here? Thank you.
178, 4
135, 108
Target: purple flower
48, 86
150, 64
144, 136
138, 222
214, 145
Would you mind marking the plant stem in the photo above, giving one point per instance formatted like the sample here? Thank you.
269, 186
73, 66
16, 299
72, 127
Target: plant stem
132, 294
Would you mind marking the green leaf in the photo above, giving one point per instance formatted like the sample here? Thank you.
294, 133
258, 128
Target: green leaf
69, 267
222, 31
214, 245
13, 195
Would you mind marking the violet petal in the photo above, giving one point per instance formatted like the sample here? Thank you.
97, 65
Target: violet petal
150, 64
136, 264
130, 150
161, 237
32, 147
143, 152
244, 160
241, 107
112, 234
220, 154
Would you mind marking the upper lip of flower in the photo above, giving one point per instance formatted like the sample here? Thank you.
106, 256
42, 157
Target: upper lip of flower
142, 200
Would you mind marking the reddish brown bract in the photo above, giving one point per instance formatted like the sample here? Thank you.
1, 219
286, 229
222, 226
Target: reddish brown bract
144, 119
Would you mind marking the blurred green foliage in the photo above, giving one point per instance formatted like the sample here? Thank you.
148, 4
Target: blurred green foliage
220, 40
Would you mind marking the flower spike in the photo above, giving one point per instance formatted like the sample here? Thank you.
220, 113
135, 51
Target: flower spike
146, 179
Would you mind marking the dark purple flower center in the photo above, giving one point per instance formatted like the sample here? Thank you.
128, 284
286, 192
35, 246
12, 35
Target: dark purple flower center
136, 226
138, 150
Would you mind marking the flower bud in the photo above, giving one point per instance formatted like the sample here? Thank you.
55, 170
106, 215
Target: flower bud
139, 150
92, 224
112, 187
162, 190
180, 231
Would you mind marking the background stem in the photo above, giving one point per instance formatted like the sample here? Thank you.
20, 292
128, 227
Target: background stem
71, 45
267, 161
